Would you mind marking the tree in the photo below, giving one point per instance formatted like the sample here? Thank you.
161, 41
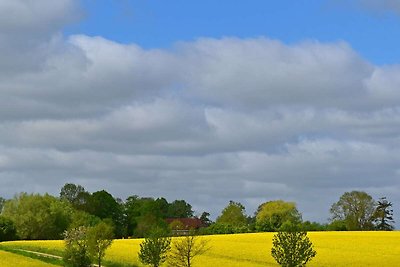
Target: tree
180, 209
75, 194
233, 214
38, 217
205, 218
355, 209
76, 253
383, 215
154, 249
292, 248
144, 214
272, 214
2, 202
103, 205
7, 230
185, 249
99, 238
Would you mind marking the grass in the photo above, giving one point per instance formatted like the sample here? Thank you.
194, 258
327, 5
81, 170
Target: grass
245, 250
8, 259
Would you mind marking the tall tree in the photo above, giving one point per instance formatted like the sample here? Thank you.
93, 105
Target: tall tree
38, 217
383, 215
233, 214
2, 201
355, 209
272, 214
180, 209
99, 238
103, 205
76, 195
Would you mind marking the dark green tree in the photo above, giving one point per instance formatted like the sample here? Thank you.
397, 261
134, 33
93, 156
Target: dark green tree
383, 215
7, 230
154, 248
103, 205
355, 209
205, 218
292, 248
2, 202
180, 209
76, 195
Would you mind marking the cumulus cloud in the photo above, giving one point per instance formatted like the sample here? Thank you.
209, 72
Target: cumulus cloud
209, 121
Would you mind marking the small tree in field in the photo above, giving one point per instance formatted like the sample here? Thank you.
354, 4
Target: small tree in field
154, 248
99, 238
292, 248
76, 252
185, 249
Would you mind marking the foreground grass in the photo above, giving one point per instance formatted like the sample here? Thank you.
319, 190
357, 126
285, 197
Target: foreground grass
8, 259
246, 250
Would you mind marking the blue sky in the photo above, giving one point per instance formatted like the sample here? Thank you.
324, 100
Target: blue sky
375, 34
260, 100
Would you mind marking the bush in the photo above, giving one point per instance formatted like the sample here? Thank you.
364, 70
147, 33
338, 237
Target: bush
292, 249
99, 238
185, 249
76, 252
154, 248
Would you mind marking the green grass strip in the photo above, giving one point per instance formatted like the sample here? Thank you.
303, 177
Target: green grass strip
54, 261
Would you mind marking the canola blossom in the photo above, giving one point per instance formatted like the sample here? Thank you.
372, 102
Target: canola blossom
8, 259
246, 250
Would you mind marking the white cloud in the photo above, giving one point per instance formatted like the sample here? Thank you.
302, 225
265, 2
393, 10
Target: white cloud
209, 121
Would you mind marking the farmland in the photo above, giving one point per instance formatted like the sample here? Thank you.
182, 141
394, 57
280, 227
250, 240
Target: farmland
333, 249
11, 260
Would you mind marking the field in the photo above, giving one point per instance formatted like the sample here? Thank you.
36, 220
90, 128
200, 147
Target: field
12, 260
246, 250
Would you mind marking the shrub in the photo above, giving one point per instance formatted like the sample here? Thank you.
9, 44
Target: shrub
292, 248
185, 249
154, 248
76, 252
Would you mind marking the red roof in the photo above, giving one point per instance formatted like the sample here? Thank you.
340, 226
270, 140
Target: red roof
188, 223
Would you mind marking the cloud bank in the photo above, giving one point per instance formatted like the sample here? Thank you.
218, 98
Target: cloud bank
208, 121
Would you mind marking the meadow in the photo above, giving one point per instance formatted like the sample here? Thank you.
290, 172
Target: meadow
246, 250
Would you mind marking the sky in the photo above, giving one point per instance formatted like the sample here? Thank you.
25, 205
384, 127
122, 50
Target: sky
207, 101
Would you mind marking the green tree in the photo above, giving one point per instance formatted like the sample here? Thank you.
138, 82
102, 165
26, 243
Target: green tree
185, 249
154, 248
76, 253
205, 218
7, 230
180, 209
292, 248
82, 218
355, 209
233, 214
99, 238
103, 205
76, 195
38, 217
383, 215
144, 214
2, 201
272, 214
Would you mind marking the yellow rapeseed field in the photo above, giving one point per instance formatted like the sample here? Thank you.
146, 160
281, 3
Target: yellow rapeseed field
12, 260
246, 250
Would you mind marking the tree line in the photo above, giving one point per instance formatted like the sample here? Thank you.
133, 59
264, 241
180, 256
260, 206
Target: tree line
35, 216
